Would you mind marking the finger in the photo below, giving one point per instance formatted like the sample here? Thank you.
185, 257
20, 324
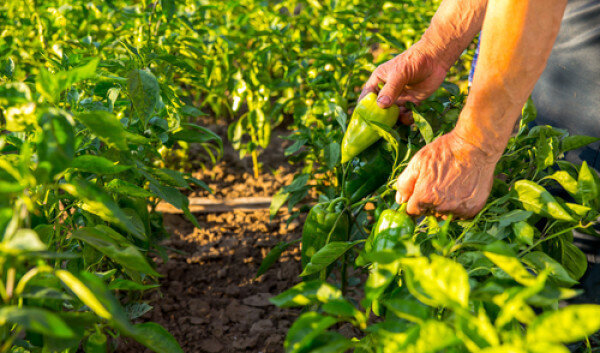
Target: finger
391, 90
406, 116
412, 207
405, 185
372, 84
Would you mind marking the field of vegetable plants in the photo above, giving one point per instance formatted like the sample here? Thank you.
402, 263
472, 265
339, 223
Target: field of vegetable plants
140, 139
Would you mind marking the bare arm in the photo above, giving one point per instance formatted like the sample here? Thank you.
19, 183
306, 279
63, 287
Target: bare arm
454, 173
416, 73
518, 38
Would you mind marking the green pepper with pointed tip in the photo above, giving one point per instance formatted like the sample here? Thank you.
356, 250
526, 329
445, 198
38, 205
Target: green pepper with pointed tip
360, 135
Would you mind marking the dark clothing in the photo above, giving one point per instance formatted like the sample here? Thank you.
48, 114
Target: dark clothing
567, 94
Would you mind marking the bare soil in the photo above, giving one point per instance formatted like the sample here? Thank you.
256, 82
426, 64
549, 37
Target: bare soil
210, 298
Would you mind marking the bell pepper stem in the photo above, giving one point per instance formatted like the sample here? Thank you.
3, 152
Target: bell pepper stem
333, 202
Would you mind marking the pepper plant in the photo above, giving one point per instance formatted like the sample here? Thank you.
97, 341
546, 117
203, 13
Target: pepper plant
82, 118
491, 284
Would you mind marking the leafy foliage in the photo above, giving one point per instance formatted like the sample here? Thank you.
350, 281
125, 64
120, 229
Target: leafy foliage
491, 284
89, 98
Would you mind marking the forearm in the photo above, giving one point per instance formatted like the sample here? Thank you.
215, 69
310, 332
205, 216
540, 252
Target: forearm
453, 27
517, 40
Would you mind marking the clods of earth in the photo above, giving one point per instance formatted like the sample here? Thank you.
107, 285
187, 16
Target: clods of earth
210, 298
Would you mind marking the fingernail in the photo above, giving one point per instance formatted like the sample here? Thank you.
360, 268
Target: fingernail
384, 100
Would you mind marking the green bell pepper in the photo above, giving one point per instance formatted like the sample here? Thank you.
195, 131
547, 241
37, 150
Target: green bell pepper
391, 227
360, 134
322, 220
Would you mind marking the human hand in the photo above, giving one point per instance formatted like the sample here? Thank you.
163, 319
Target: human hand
411, 76
448, 176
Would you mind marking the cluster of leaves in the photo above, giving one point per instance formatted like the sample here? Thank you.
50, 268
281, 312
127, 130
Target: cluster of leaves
491, 284
88, 97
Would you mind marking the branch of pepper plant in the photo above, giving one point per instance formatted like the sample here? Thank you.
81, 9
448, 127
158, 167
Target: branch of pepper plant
552, 236
323, 273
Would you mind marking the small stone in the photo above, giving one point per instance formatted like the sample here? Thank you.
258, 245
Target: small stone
259, 300
211, 345
262, 326
197, 320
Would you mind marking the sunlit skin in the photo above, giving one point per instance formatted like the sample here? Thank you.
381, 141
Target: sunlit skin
454, 173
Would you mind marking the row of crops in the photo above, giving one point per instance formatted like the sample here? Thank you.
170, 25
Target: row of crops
96, 96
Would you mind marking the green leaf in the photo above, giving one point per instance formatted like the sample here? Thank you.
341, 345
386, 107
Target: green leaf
343, 308
128, 189
137, 310
573, 260
380, 277
524, 232
439, 282
121, 252
56, 143
169, 7
98, 165
92, 292
332, 154
276, 202
51, 85
512, 217
155, 337
170, 195
538, 200
477, 332
423, 125
97, 202
144, 91
529, 113
23, 240
169, 177
109, 129
513, 267
565, 180
193, 133
125, 284
305, 329
273, 255
541, 262
407, 309
576, 142
306, 293
544, 151
429, 337
35, 319
569, 324
587, 189
85, 294
327, 255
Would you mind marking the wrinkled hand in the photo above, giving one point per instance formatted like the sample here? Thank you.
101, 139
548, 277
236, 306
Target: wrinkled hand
411, 76
449, 175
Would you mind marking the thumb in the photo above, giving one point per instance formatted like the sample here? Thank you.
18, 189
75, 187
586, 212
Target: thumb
391, 90
405, 185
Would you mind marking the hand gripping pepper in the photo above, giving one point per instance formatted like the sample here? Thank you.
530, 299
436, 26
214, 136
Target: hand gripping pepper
369, 172
360, 134
322, 220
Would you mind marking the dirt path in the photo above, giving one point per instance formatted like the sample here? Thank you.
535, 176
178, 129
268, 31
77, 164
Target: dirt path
210, 299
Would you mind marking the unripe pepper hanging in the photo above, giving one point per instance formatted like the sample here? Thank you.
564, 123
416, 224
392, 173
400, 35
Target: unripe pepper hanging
322, 220
359, 134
